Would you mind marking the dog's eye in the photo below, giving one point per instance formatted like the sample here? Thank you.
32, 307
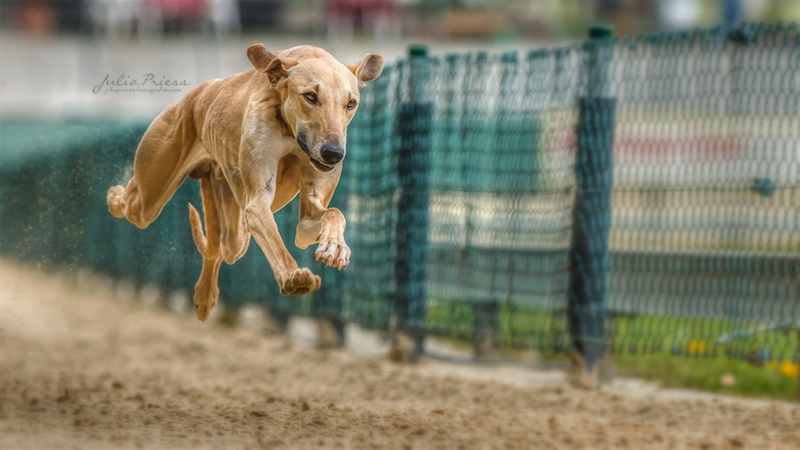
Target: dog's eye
351, 104
311, 97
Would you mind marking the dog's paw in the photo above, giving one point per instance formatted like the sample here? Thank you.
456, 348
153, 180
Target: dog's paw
204, 310
300, 282
333, 253
205, 299
115, 201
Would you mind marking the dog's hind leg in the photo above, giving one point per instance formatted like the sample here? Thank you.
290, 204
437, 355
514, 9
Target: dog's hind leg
167, 153
206, 291
234, 237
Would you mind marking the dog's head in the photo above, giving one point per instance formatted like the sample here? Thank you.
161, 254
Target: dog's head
319, 96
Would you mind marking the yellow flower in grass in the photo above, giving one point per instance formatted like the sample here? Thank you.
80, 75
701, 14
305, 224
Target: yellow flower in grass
697, 346
790, 369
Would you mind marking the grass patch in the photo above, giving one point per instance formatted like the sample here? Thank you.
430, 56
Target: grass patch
721, 375
678, 352
516, 327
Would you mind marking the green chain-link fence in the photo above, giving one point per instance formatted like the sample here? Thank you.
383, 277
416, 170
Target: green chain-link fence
638, 195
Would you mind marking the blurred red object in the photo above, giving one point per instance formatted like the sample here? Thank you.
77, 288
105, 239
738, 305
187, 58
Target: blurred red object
368, 8
36, 18
179, 9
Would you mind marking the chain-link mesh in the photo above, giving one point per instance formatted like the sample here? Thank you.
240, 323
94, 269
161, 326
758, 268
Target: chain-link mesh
481, 205
706, 201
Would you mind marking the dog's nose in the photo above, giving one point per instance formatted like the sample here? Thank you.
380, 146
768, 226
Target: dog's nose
331, 154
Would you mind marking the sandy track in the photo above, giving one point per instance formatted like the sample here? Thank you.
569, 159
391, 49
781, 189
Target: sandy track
80, 370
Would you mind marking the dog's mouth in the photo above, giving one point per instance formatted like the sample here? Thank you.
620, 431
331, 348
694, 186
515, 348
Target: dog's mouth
321, 167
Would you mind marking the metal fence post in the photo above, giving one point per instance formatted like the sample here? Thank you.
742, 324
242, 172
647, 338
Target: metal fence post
413, 166
591, 214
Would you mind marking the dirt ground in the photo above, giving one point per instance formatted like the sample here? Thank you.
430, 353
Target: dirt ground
81, 370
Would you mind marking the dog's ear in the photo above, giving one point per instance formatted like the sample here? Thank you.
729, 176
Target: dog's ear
260, 57
368, 69
278, 69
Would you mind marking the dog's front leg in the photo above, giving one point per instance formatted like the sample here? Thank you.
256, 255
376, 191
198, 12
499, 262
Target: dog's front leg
259, 179
318, 223
292, 279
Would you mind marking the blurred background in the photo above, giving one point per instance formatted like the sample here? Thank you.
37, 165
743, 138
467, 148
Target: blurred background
705, 213
55, 52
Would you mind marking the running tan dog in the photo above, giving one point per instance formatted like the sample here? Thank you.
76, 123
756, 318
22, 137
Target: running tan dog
254, 140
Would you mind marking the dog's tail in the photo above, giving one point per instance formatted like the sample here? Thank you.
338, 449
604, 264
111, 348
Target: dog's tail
197, 230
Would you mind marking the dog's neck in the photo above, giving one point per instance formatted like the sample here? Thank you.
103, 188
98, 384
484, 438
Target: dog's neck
285, 128
275, 99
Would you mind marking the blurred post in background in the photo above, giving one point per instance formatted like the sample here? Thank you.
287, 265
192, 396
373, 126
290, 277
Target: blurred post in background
415, 122
589, 256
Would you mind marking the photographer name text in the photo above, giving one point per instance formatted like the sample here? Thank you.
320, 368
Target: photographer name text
147, 83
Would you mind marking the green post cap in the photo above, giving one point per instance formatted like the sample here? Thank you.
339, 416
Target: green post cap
600, 31
417, 51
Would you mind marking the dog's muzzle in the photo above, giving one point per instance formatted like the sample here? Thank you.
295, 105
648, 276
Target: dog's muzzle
331, 155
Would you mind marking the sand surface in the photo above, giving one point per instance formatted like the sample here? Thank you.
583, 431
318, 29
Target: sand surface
81, 370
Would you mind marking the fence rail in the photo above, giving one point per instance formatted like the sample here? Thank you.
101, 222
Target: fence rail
476, 236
